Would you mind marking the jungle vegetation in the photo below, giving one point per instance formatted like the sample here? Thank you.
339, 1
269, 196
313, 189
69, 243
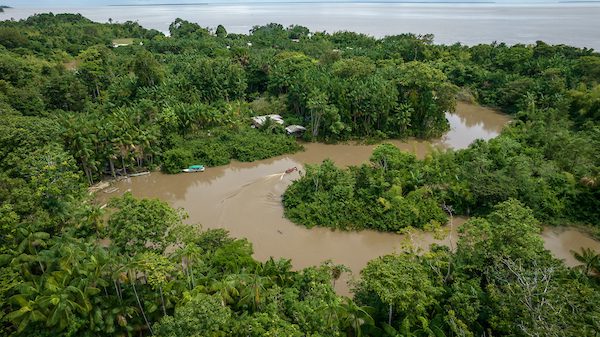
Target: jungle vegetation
74, 110
548, 158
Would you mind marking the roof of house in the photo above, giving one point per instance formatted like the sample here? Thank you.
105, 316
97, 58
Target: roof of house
260, 120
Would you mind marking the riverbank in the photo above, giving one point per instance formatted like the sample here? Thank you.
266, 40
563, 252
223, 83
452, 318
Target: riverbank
240, 198
245, 199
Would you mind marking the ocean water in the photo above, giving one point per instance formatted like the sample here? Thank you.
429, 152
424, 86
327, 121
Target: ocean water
576, 24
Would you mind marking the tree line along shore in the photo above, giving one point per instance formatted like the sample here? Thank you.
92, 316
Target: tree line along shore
81, 101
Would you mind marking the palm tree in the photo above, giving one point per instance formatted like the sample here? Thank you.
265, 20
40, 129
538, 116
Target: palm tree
189, 256
105, 129
62, 293
123, 140
278, 270
27, 250
79, 137
157, 271
227, 288
28, 312
590, 261
131, 269
63, 300
336, 272
353, 317
254, 286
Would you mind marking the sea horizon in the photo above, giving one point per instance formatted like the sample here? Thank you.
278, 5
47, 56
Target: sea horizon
470, 23
145, 3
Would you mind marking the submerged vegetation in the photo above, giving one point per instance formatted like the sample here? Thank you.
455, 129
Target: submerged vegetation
74, 111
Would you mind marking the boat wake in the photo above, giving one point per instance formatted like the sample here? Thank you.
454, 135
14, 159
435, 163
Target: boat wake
280, 175
270, 196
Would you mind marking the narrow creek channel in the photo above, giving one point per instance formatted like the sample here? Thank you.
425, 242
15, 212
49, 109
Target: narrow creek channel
245, 199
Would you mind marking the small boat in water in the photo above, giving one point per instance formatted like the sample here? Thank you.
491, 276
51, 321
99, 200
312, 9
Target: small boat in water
290, 170
194, 168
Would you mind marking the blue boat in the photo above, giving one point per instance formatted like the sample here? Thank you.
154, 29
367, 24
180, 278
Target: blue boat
194, 168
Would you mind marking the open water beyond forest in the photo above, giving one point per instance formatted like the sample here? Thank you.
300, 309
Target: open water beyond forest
574, 23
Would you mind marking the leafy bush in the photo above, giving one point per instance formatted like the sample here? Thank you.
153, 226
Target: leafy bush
220, 146
378, 196
176, 159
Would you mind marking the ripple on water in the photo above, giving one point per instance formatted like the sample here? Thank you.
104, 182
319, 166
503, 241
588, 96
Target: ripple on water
245, 198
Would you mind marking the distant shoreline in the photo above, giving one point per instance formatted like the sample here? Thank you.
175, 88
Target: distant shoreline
328, 2
158, 5
359, 1
511, 23
306, 2
418, 2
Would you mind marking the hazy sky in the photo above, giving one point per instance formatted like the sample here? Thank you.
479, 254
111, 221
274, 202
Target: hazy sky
87, 3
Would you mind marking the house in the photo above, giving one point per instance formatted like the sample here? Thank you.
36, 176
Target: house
258, 121
294, 129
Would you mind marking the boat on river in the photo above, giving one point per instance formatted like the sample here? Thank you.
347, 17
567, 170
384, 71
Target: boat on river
194, 168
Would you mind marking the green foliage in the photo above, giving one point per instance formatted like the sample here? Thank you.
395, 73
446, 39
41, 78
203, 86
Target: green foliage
398, 283
71, 107
214, 78
263, 324
428, 93
66, 92
500, 281
356, 97
586, 104
588, 67
185, 29
203, 315
510, 231
140, 225
219, 146
590, 261
53, 172
12, 38
147, 69
384, 195
221, 31
174, 160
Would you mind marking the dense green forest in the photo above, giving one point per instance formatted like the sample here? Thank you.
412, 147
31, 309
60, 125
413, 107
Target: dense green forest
548, 158
76, 110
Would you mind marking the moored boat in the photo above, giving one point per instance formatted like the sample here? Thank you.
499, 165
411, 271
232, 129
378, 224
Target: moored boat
194, 168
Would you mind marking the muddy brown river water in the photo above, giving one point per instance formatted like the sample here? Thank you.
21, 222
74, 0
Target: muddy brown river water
245, 199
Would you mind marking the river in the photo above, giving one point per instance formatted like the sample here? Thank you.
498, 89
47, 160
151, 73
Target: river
575, 24
245, 199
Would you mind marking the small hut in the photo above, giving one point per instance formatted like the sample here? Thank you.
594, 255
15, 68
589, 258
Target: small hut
294, 129
259, 121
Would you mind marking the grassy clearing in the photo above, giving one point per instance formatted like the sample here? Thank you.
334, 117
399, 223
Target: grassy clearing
125, 41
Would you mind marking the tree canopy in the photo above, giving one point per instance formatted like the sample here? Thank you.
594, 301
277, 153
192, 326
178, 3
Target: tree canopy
75, 109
